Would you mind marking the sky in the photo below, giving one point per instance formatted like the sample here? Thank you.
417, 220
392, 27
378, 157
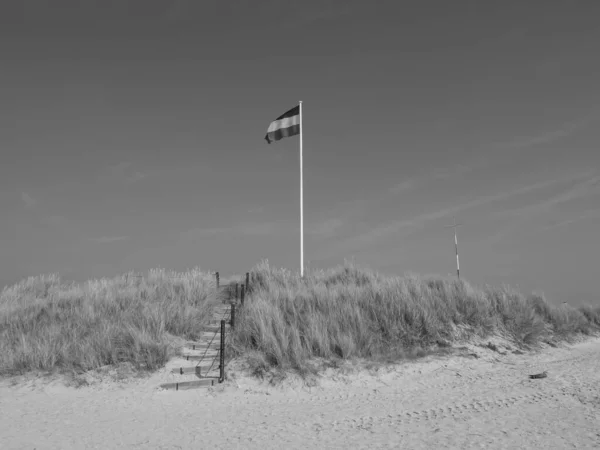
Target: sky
133, 138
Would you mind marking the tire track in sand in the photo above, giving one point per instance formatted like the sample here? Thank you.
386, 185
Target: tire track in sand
454, 410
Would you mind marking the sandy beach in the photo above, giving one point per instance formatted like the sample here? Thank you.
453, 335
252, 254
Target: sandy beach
458, 401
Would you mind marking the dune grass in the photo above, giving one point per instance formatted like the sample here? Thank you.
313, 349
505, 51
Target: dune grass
47, 325
348, 312
286, 322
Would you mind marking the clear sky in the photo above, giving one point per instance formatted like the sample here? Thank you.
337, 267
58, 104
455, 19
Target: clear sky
133, 137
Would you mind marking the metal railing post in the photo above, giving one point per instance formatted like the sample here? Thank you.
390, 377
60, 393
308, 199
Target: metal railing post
222, 354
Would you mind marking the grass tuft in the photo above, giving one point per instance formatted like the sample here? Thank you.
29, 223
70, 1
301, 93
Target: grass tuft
51, 326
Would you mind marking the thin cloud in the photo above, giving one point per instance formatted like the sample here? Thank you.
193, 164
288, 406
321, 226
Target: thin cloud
55, 220
351, 209
455, 170
136, 176
120, 167
28, 200
549, 136
346, 211
589, 186
326, 11
406, 185
440, 173
325, 228
593, 213
126, 171
257, 229
394, 227
245, 229
109, 239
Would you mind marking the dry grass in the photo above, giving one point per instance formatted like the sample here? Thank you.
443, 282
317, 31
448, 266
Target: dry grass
349, 312
46, 325
287, 323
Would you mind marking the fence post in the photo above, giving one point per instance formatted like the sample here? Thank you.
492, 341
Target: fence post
242, 295
236, 291
217, 275
222, 354
232, 315
247, 280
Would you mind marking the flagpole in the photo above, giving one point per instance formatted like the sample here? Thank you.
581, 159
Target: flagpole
301, 203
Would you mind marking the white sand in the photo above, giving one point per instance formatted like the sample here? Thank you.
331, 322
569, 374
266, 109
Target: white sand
449, 402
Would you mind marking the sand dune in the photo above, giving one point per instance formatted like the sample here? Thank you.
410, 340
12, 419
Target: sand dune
459, 401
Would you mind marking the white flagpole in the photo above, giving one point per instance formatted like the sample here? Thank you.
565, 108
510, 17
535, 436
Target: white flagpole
301, 203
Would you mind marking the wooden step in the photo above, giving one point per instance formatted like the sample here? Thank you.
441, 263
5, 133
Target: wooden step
198, 370
216, 320
202, 345
217, 323
200, 350
184, 385
200, 357
214, 329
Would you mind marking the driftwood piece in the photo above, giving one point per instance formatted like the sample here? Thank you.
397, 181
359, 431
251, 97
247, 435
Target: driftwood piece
544, 374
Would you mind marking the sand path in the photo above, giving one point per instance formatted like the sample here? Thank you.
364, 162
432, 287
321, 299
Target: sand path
451, 402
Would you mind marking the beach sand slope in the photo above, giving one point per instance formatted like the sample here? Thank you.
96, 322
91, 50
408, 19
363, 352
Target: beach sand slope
458, 401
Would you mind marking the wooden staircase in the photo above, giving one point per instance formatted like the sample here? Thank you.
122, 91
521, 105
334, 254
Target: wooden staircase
206, 352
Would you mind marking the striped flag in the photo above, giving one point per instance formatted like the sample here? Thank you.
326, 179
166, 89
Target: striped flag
288, 124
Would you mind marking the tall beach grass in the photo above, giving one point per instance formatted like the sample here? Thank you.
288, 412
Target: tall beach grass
286, 322
349, 312
48, 325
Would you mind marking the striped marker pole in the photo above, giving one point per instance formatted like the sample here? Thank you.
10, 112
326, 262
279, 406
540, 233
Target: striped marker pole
456, 245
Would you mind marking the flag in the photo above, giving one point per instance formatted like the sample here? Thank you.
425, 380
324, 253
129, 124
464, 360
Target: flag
288, 124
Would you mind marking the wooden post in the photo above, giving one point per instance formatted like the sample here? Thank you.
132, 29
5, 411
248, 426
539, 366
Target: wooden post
247, 280
222, 354
232, 323
217, 276
242, 295
236, 291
